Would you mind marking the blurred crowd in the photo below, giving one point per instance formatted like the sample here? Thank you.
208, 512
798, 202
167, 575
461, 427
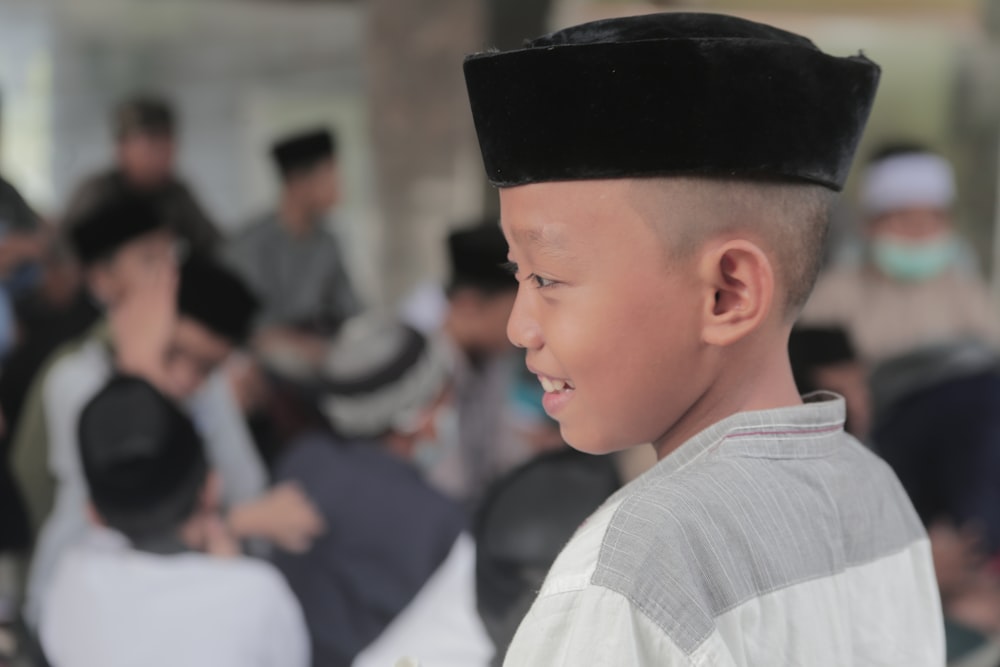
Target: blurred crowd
215, 452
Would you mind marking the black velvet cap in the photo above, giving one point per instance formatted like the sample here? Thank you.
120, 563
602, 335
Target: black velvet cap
142, 458
478, 255
113, 222
303, 150
669, 94
215, 296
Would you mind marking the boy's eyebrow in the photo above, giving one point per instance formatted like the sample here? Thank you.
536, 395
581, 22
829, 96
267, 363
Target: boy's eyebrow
542, 239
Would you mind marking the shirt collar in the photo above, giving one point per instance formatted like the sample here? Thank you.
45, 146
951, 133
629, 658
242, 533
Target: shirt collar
807, 430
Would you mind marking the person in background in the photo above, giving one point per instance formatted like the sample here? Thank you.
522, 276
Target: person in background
911, 293
480, 294
823, 358
928, 329
177, 339
158, 580
57, 310
145, 131
394, 573
289, 258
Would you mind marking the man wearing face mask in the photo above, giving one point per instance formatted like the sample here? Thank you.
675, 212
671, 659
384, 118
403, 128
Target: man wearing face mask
925, 325
914, 291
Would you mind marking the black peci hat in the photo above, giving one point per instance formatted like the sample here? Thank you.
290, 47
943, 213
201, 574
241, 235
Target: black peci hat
667, 94
302, 151
142, 458
477, 256
109, 224
215, 296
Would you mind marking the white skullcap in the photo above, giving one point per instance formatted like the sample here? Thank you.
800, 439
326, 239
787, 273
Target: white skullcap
906, 181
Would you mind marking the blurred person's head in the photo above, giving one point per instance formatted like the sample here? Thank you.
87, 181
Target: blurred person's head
61, 276
119, 241
907, 197
308, 167
383, 380
144, 463
215, 312
481, 290
145, 134
823, 358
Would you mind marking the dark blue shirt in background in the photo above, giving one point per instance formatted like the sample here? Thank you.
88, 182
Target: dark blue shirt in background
387, 533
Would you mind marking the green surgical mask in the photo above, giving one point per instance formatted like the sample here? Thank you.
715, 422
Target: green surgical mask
914, 262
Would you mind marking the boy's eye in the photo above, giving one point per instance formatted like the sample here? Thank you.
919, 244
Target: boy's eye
541, 282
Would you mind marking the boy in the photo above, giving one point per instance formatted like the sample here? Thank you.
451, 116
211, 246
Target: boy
176, 337
664, 183
396, 569
159, 583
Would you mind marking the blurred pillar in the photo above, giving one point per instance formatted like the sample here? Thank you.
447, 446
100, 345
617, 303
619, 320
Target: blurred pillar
508, 24
427, 167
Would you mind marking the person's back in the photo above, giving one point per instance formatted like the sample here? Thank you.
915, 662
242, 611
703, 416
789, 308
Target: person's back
115, 606
388, 533
158, 580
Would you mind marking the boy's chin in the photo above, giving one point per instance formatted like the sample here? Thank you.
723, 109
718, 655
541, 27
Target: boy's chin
591, 443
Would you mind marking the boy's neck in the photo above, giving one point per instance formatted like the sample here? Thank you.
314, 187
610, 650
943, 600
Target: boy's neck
754, 381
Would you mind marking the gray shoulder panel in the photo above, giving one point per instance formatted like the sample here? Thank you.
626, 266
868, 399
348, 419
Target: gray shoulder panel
693, 543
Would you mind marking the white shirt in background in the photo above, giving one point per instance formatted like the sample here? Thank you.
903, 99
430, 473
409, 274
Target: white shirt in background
112, 606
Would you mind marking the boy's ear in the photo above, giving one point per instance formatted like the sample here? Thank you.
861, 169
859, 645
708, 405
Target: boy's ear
740, 291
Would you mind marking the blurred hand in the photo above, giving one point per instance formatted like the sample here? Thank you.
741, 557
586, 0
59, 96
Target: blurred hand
284, 516
247, 382
219, 541
143, 323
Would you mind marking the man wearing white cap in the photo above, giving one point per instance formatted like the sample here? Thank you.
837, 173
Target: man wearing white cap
930, 333
912, 293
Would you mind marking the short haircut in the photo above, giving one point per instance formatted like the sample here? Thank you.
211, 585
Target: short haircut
789, 220
144, 114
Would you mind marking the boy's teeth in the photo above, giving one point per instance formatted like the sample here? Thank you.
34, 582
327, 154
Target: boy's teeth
553, 385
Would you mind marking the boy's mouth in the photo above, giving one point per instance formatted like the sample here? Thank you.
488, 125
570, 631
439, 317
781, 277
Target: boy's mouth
553, 385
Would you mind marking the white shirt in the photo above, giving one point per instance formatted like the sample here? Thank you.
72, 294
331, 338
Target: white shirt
770, 539
67, 388
112, 606
441, 626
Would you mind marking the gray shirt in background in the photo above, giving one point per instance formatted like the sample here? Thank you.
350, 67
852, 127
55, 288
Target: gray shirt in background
300, 280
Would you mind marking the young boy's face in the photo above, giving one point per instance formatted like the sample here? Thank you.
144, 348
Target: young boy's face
601, 307
195, 353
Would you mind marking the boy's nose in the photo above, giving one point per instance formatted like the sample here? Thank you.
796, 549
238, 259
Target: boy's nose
522, 329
